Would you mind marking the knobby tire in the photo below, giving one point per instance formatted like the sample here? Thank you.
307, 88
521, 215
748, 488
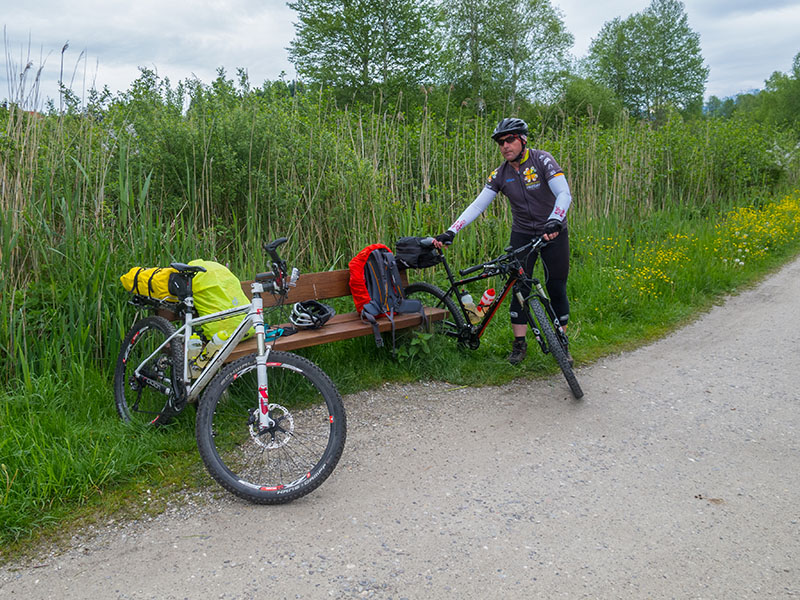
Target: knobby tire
556, 349
431, 295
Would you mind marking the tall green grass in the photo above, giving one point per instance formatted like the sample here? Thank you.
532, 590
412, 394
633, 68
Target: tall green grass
140, 180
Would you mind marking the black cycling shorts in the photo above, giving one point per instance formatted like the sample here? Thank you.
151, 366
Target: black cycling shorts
555, 258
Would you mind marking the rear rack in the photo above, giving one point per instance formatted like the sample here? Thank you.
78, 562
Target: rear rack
177, 309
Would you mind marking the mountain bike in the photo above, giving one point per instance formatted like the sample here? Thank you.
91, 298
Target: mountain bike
270, 426
539, 312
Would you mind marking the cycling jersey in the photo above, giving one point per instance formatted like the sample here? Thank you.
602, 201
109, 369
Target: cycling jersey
534, 197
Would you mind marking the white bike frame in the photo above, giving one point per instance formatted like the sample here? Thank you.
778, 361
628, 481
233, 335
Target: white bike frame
254, 319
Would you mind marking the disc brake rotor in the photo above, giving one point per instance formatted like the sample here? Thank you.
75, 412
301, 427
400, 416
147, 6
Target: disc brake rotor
276, 436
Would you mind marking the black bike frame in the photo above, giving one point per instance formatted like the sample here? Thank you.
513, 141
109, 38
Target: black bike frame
455, 284
474, 332
470, 333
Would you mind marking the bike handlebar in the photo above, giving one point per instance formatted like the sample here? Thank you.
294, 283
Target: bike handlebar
426, 242
469, 270
280, 283
536, 243
272, 248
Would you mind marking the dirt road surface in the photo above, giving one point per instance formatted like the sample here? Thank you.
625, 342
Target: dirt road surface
677, 476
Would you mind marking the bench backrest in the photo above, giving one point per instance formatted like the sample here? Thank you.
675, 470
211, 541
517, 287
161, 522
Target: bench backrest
322, 285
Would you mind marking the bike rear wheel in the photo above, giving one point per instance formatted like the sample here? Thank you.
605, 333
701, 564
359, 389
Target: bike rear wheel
432, 296
136, 400
282, 463
553, 343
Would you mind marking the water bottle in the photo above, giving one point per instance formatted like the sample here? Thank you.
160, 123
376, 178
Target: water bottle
486, 300
216, 342
469, 305
466, 298
195, 347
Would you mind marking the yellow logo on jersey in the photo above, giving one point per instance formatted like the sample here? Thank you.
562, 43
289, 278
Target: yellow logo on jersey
531, 176
493, 175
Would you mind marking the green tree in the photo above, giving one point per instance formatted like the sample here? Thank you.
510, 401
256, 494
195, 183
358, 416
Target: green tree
587, 98
778, 104
652, 59
674, 70
715, 107
781, 97
471, 28
500, 50
359, 44
535, 48
614, 60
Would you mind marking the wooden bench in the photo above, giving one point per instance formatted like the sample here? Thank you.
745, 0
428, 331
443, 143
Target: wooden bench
327, 285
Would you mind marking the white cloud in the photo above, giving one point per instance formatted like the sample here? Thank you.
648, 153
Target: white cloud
585, 19
179, 40
742, 42
744, 49
715, 8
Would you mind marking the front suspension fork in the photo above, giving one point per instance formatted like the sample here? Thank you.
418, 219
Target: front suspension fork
523, 302
264, 420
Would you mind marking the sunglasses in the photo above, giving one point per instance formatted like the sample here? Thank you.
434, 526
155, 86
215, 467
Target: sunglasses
507, 140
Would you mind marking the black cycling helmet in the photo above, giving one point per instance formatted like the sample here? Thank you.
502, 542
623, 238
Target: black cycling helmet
310, 314
512, 125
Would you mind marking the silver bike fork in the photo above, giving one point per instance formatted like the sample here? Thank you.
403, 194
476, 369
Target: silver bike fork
257, 317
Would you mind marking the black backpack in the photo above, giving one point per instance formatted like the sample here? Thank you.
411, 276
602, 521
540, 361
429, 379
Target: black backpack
377, 288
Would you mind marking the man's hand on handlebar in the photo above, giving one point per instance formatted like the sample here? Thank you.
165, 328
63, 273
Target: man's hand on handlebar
444, 239
551, 229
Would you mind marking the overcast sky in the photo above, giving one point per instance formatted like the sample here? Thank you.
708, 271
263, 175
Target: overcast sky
743, 42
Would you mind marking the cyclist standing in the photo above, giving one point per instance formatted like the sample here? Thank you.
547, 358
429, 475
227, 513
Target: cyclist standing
539, 196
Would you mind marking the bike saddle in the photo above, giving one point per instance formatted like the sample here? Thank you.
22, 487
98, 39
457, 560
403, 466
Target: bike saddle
187, 269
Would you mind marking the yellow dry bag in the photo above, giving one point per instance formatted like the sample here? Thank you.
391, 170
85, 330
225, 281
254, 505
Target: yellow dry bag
153, 282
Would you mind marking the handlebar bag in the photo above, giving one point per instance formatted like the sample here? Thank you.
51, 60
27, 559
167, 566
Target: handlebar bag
411, 255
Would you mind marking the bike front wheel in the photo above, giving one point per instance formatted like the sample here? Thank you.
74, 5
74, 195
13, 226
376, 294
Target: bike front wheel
553, 343
431, 296
291, 458
148, 397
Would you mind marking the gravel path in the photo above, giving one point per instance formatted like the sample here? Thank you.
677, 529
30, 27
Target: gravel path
677, 476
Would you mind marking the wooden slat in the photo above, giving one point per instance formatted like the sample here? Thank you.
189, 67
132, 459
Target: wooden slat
340, 327
323, 285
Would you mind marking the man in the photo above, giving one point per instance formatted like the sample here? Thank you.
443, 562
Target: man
539, 195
